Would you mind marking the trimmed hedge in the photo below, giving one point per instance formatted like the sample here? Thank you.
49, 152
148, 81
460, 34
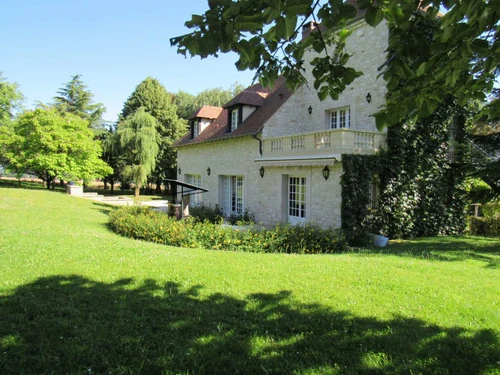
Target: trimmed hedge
146, 224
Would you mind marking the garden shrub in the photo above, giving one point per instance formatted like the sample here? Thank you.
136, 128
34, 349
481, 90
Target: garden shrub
146, 224
245, 218
484, 226
203, 212
491, 210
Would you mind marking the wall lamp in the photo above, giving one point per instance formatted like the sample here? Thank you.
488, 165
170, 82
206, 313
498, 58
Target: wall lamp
179, 170
369, 97
310, 110
209, 171
326, 172
262, 171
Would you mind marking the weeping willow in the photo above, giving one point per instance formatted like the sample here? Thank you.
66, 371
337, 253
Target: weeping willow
137, 138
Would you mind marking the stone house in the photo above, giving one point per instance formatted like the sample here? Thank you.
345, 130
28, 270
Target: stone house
278, 153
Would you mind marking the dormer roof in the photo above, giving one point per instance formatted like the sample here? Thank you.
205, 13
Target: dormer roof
267, 101
207, 111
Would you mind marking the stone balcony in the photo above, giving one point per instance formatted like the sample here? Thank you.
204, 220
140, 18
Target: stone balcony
316, 148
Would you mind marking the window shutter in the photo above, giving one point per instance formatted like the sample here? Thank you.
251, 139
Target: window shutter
240, 115
192, 128
228, 129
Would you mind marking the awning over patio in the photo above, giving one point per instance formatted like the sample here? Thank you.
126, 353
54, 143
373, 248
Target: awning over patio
186, 189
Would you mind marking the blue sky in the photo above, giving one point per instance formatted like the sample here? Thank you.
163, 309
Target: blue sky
113, 44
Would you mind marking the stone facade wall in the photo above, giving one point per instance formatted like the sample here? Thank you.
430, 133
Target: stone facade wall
367, 46
266, 197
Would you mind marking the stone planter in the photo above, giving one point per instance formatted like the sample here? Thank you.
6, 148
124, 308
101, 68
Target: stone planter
74, 190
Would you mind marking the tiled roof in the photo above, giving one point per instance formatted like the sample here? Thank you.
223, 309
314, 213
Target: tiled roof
271, 100
207, 111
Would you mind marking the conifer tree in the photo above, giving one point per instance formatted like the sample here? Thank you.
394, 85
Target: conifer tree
75, 98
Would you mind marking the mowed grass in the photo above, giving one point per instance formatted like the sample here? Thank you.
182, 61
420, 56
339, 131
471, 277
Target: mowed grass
77, 299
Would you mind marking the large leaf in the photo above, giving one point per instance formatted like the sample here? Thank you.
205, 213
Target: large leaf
285, 27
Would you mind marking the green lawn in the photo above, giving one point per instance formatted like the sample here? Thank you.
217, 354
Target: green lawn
77, 299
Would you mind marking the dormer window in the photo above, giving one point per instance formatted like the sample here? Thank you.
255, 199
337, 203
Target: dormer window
196, 129
235, 118
202, 118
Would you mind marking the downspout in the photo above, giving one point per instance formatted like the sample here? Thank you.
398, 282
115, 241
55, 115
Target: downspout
260, 143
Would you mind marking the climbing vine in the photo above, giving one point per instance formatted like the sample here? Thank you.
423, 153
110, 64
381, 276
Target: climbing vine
421, 182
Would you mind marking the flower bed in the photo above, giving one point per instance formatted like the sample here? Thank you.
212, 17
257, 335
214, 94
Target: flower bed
146, 224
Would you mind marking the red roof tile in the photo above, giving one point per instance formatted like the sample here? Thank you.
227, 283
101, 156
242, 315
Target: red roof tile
206, 111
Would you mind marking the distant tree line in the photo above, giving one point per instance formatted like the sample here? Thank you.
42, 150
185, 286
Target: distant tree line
69, 140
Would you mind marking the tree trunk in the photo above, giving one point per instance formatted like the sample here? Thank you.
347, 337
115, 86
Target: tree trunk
112, 183
48, 180
105, 184
137, 190
158, 186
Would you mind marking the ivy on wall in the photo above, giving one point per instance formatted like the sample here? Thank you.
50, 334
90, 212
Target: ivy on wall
358, 171
421, 183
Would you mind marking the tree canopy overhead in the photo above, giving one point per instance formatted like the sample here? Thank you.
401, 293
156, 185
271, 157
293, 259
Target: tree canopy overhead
458, 56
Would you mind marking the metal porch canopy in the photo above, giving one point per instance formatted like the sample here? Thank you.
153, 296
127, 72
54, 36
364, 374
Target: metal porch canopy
186, 189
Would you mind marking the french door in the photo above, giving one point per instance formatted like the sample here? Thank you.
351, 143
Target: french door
232, 195
296, 200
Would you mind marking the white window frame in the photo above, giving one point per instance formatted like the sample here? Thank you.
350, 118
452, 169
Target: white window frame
340, 118
234, 119
232, 195
196, 129
194, 179
297, 200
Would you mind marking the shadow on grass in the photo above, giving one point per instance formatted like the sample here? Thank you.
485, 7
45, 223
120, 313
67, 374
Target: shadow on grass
70, 324
105, 208
485, 249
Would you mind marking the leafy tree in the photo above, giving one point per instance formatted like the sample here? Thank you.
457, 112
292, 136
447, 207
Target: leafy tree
185, 104
75, 98
188, 103
152, 96
113, 159
55, 145
10, 98
137, 139
484, 139
459, 57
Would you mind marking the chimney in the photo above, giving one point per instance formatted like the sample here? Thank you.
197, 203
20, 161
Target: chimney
307, 28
